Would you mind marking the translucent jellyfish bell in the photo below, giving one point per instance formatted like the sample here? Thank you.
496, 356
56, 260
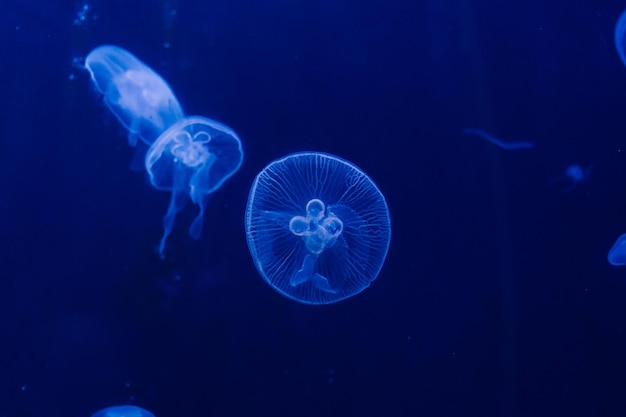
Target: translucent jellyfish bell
317, 227
192, 159
123, 411
138, 97
620, 37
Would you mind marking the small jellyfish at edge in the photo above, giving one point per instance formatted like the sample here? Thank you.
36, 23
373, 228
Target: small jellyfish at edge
617, 253
317, 226
123, 411
192, 159
574, 176
620, 37
138, 97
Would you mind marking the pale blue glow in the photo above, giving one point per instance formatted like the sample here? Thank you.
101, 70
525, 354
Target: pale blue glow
189, 156
138, 97
617, 254
123, 411
620, 37
574, 176
192, 159
509, 146
318, 228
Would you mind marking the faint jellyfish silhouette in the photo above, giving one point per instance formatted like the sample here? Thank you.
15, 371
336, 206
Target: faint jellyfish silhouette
192, 159
509, 146
123, 411
617, 253
574, 175
138, 97
318, 228
620, 37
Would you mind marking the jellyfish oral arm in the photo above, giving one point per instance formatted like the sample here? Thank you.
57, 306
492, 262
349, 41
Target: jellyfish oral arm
195, 229
177, 202
509, 146
307, 273
304, 274
319, 231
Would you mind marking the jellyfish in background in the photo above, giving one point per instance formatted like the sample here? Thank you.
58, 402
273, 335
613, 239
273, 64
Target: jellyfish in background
318, 228
138, 97
192, 159
617, 253
620, 37
574, 175
123, 411
509, 146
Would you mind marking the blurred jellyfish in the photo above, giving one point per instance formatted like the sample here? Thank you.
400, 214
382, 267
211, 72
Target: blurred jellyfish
123, 411
317, 227
574, 175
620, 37
138, 97
617, 253
192, 159
509, 146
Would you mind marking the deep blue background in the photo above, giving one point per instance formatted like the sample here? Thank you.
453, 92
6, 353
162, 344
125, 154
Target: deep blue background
496, 298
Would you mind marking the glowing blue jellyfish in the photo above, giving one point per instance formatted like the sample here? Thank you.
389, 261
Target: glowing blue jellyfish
138, 97
574, 175
317, 227
617, 254
123, 411
620, 37
192, 159
189, 156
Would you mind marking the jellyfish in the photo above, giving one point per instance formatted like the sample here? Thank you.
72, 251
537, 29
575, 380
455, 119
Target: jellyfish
192, 159
617, 253
509, 146
574, 175
138, 97
189, 156
620, 37
317, 227
123, 411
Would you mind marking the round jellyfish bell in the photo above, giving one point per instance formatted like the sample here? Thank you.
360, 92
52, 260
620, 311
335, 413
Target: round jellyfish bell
139, 98
192, 159
123, 411
317, 226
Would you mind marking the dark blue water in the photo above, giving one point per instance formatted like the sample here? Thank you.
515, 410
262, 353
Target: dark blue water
496, 298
